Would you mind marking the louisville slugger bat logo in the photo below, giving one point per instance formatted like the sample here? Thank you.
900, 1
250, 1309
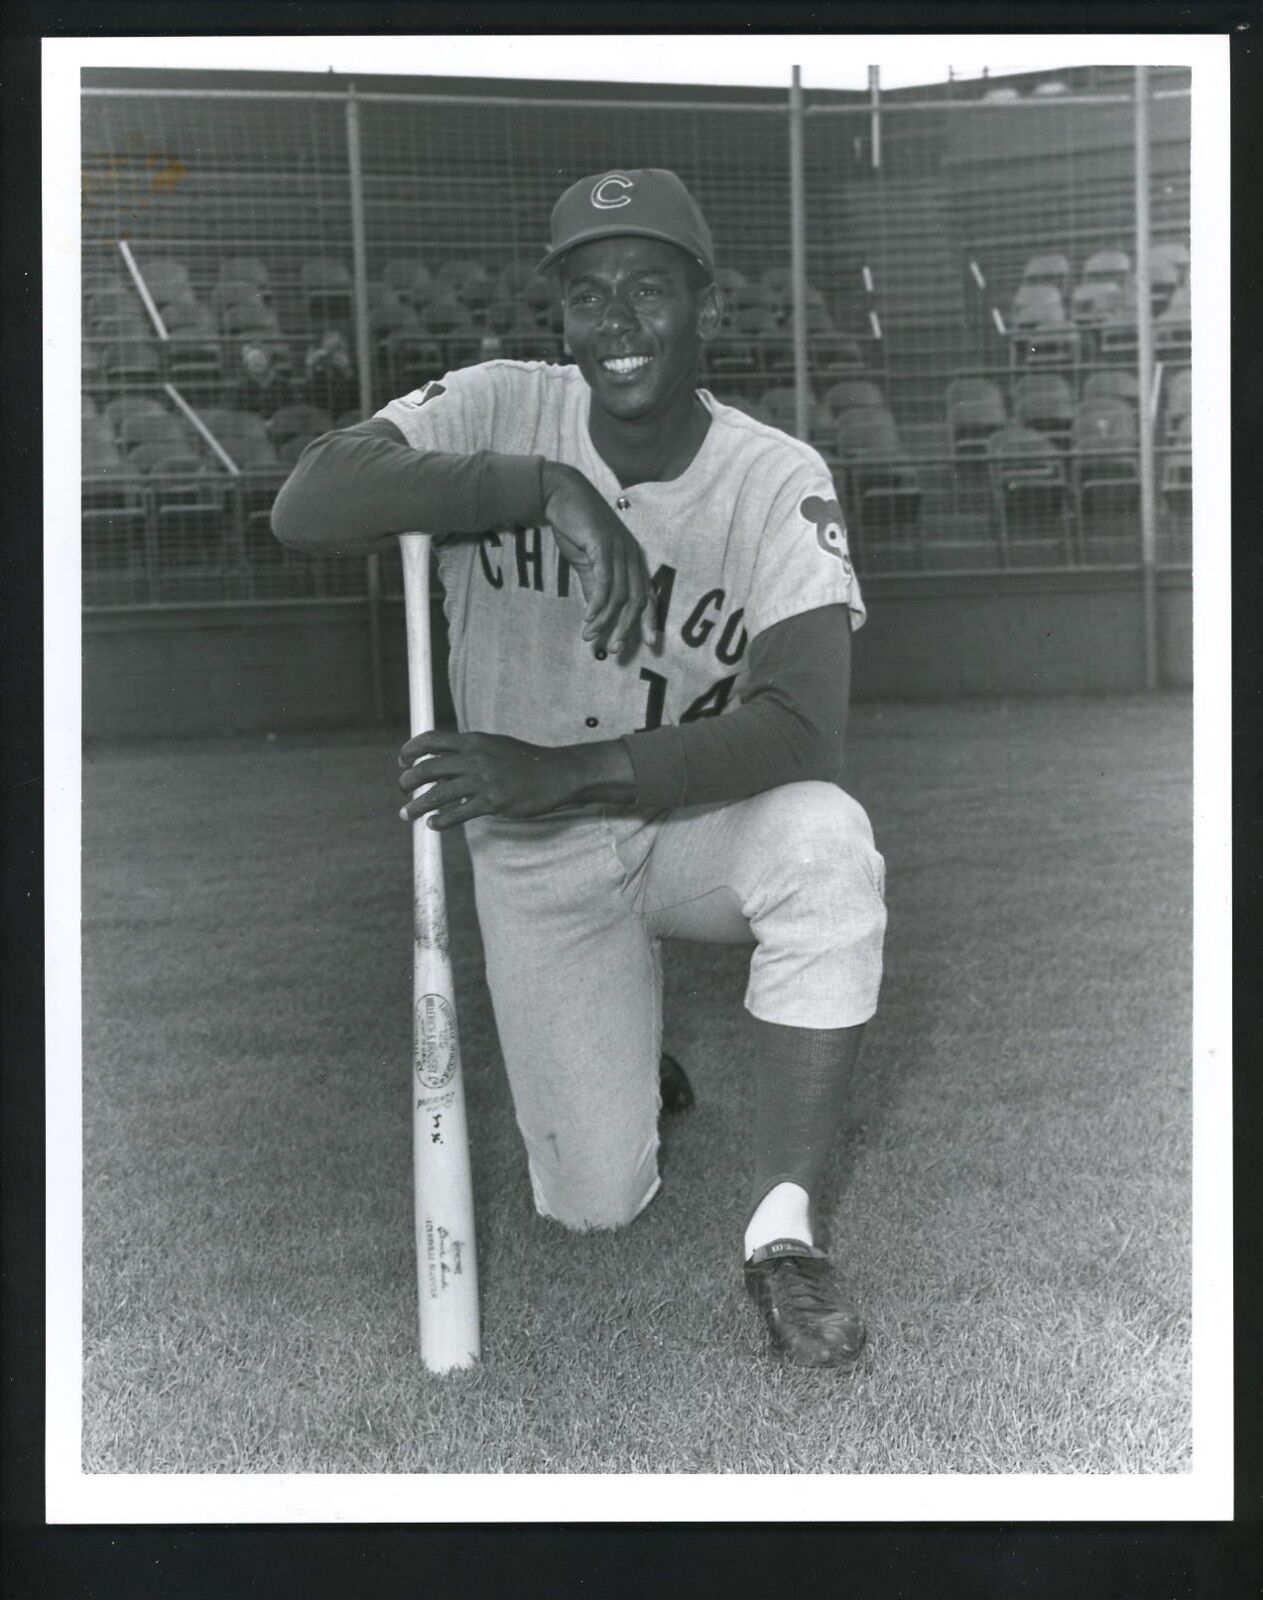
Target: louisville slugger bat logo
436, 1048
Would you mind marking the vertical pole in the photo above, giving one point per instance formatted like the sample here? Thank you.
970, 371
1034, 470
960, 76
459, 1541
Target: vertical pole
1144, 378
798, 255
363, 356
874, 100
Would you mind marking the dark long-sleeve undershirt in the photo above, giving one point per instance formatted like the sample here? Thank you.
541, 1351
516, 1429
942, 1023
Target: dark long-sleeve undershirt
351, 489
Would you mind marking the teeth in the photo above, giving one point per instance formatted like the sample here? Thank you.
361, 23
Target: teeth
625, 363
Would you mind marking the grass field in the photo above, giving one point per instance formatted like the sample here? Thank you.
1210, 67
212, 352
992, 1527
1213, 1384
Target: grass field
1011, 1200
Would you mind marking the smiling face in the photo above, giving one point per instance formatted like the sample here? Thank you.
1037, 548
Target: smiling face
636, 311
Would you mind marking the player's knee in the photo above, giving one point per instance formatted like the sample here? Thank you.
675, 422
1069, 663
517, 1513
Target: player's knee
818, 841
585, 1194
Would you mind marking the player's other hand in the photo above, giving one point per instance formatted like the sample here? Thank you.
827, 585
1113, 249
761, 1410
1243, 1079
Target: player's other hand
610, 564
481, 775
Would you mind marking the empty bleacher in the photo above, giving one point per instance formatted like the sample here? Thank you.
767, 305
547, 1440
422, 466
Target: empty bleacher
955, 442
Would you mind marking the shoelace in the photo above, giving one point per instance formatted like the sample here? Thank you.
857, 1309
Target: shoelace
807, 1282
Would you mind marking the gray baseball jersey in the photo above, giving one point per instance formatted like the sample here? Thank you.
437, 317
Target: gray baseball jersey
749, 534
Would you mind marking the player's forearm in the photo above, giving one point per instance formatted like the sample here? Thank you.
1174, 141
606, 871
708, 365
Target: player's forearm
351, 489
598, 774
757, 747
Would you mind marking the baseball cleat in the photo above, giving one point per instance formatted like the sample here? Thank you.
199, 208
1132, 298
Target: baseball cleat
673, 1085
808, 1314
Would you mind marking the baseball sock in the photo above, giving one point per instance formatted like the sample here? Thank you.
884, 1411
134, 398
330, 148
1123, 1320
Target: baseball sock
803, 1076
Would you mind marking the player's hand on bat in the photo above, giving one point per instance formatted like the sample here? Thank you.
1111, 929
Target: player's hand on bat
609, 563
481, 775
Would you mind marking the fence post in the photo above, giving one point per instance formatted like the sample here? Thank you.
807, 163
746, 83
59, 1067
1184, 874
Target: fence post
363, 355
874, 99
798, 255
1144, 377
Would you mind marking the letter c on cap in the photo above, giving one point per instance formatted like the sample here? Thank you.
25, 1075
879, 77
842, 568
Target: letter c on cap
605, 202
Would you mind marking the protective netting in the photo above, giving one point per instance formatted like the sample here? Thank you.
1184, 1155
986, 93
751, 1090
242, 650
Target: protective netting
972, 354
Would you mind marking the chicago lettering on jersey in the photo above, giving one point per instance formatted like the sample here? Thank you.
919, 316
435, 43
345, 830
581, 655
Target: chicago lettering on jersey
535, 564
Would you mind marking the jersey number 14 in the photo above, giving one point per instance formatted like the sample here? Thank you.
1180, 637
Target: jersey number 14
708, 704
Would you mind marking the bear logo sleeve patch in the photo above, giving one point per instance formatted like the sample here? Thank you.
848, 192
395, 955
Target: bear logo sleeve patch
826, 517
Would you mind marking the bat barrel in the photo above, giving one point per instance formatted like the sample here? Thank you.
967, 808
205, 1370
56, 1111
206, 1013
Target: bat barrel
447, 1267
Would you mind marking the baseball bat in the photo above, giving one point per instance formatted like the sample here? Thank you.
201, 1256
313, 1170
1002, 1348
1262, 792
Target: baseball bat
443, 1198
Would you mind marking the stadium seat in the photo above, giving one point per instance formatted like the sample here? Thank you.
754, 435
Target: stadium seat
1053, 270
438, 318
408, 276
348, 419
780, 407
879, 485
235, 291
290, 421
1104, 443
145, 428
390, 315
248, 316
1092, 303
852, 394
867, 431
165, 278
1040, 331
513, 277
326, 289
131, 361
836, 355
1177, 482
290, 451
1179, 401
188, 319
1117, 334
413, 357
146, 456
135, 327
133, 405
467, 342
975, 410
501, 316
540, 293
466, 281
245, 269
1106, 266
117, 302
1029, 485
1044, 402
752, 297
1172, 330
1037, 305
728, 279
1112, 386
1164, 280
1172, 253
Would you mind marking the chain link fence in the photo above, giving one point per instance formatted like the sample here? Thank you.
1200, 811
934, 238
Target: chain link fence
259, 267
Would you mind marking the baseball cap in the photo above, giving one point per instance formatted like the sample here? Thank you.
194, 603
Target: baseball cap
649, 201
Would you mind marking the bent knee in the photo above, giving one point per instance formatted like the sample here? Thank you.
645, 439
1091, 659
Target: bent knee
815, 838
811, 815
582, 1196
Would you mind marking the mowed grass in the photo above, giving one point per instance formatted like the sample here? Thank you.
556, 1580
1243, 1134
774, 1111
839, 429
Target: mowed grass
1010, 1199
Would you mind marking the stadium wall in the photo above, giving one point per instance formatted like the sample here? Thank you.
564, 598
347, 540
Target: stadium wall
177, 671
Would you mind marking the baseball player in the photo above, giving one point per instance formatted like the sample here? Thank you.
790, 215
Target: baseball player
650, 603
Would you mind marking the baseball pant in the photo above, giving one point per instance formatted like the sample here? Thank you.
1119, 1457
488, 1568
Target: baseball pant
572, 912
